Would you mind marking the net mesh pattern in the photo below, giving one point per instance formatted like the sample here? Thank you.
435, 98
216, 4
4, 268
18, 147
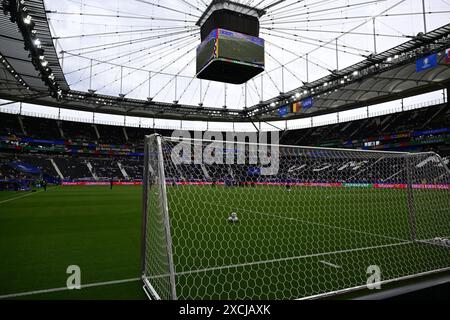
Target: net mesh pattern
312, 227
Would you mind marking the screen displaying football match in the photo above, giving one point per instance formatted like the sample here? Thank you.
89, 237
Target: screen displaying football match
205, 51
240, 47
225, 44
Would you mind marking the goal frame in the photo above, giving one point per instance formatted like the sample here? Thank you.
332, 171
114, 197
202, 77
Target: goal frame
148, 287
156, 138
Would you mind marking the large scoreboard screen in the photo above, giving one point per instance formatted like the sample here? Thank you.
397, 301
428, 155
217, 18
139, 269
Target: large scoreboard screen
240, 47
229, 49
206, 51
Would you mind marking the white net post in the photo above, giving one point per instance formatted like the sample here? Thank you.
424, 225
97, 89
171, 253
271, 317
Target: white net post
158, 270
311, 228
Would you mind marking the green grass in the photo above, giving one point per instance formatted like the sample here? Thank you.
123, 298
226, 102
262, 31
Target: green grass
277, 251
285, 241
94, 228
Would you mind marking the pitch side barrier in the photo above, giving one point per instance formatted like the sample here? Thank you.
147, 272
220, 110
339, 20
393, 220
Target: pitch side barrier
293, 184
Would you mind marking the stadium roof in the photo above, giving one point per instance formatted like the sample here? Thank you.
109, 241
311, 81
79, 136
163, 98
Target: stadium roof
379, 78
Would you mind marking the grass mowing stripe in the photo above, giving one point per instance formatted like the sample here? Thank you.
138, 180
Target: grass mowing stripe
90, 285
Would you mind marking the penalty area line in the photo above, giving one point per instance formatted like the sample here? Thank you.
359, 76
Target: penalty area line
307, 256
90, 285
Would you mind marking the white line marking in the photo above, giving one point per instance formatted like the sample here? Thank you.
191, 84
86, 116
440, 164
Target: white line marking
314, 223
330, 264
313, 255
22, 196
90, 285
347, 290
329, 226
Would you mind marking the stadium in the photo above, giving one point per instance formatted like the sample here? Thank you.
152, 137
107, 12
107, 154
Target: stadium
224, 150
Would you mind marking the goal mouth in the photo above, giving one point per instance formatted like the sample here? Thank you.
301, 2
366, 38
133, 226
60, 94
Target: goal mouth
327, 222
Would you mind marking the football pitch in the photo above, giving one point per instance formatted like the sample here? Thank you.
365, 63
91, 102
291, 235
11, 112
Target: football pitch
287, 245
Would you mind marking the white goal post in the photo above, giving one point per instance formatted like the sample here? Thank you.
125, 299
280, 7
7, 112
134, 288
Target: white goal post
320, 221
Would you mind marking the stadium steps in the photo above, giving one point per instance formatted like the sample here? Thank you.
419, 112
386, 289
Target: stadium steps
125, 133
57, 169
284, 134
22, 127
386, 120
393, 123
59, 125
306, 135
346, 126
362, 125
97, 133
435, 115
91, 170
122, 169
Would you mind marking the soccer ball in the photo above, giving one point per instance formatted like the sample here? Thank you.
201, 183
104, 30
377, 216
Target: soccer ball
233, 218
437, 239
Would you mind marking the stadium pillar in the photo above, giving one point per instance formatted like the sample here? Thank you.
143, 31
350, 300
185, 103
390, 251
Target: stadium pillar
262, 88
337, 55
245, 93
307, 68
224, 95
90, 76
149, 85
374, 36
424, 17
121, 80
176, 89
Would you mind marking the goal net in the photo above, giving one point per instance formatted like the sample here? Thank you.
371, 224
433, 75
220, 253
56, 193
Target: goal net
254, 221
